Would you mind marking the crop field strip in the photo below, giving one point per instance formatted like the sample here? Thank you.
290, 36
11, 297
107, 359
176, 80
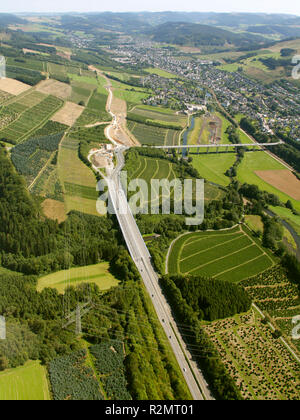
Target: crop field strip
160, 116
150, 169
149, 135
227, 255
260, 365
34, 109
140, 171
4, 97
157, 136
77, 180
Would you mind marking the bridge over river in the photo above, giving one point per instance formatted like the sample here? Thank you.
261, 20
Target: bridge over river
218, 147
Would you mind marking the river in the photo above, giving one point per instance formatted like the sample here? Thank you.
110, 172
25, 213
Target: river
185, 137
290, 229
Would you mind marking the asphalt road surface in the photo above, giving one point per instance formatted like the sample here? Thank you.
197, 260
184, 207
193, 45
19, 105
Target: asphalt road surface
140, 255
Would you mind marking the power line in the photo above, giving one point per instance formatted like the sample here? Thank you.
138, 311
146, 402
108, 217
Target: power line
142, 342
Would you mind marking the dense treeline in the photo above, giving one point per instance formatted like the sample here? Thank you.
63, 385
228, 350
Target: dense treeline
273, 232
132, 81
293, 266
212, 299
33, 322
289, 154
21, 230
31, 244
221, 383
260, 198
31, 77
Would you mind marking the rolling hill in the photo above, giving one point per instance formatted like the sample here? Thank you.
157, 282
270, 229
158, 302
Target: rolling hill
195, 35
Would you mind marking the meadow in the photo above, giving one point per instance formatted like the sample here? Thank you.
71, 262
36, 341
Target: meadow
214, 166
98, 274
150, 168
130, 94
160, 114
161, 73
147, 134
261, 161
25, 383
230, 255
72, 171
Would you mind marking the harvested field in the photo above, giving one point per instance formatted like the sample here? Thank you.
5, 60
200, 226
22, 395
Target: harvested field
55, 88
283, 180
14, 87
68, 114
54, 210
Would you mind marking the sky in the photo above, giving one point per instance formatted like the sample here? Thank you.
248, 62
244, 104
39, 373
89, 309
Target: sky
255, 6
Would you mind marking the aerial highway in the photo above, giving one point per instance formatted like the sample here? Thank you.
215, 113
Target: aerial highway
140, 255
142, 259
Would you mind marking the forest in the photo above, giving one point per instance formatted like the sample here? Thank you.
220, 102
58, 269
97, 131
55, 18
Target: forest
212, 299
222, 385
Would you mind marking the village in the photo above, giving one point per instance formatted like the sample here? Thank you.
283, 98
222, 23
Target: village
275, 107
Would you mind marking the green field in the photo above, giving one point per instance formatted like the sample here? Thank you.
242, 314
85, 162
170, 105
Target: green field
254, 222
147, 134
6, 271
261, 161
33, 111
162, 73
149, 168
25, 383
214, 166
76, 178
98, 274
160, 114
132, 95
231, 255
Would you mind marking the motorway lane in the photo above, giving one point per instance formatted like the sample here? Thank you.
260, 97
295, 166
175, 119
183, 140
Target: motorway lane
140, 255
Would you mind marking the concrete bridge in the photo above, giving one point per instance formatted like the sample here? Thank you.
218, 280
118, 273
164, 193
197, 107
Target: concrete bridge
227, 147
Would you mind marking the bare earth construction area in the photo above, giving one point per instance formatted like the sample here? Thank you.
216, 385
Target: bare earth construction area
283, 180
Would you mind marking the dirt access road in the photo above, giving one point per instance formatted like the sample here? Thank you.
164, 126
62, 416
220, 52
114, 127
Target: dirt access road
117, 108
